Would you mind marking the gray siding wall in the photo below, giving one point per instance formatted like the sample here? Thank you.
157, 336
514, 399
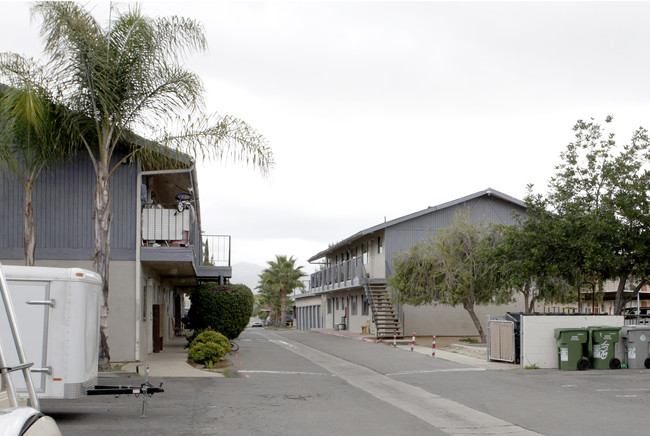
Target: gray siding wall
63, 209
403, 235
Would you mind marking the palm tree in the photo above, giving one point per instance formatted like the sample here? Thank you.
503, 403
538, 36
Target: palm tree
129, 77
32, 135
281, 277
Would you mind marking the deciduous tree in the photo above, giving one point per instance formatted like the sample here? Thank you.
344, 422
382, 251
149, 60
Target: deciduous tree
599, 197
451, 267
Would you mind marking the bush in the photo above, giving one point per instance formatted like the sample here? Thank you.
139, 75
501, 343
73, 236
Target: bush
204, 353
209, 346
226, 309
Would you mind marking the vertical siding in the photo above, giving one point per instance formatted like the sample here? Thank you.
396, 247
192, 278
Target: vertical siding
63, 209
488, 209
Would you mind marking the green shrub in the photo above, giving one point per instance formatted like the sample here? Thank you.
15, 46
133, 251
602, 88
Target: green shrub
226, 309
209, 347
210, 335
206, 353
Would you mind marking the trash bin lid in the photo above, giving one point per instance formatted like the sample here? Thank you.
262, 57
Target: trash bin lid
598, 328
635, 331
569, 330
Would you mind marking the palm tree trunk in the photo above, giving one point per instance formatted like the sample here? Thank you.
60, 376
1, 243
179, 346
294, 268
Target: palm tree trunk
102, 223
29, 235
283, 307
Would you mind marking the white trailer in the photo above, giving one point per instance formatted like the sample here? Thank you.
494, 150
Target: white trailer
17, 418
58, 317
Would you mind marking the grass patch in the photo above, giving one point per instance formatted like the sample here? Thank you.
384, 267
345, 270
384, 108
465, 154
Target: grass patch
533, 366
226, 373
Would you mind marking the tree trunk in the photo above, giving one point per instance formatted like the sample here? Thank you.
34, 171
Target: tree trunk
621, 299
528, 293
102, 223
531, 308
283, 307
29, 234
469, 307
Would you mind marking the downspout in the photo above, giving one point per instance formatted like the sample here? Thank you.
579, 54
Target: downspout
138, 244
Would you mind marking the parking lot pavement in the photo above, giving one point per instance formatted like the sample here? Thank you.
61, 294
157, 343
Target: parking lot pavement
448, 354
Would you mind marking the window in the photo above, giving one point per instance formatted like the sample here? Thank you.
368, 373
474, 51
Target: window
337, 302
380, 245
364, 251
329, 305
364, 305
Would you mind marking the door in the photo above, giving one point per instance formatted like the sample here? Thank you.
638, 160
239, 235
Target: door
157, 330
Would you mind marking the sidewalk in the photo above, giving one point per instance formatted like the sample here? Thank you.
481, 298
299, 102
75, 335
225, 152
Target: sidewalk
440, 354
170, 362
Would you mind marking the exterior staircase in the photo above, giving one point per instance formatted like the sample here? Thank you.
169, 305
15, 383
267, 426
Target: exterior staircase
385, 314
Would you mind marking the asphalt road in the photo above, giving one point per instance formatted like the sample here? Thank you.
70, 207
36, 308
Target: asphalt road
306, 383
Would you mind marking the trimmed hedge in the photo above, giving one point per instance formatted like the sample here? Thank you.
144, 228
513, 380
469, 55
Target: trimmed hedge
209, 346
226, 309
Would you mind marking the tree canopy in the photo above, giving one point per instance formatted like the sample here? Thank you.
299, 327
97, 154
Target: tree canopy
280, 278
599, 211
33, 134
451, 267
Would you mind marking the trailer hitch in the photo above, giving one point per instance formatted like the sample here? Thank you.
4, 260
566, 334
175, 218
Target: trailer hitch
146, 390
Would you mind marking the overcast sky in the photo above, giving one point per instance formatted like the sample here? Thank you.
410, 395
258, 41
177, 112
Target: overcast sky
378, 109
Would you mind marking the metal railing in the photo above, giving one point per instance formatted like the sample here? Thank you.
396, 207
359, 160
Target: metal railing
217, 248
339, 276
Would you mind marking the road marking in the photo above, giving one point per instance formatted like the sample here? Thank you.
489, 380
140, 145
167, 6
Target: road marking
434, 370
283, 343
282, 372
623, 390
449, 416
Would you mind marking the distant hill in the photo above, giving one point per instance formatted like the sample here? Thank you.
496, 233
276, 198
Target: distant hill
246, 273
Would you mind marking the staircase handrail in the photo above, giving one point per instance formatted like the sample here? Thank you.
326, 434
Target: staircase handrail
400, 310
363, 278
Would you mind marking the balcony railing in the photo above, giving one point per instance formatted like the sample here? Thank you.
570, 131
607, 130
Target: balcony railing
343, 275
216, 250
167, 227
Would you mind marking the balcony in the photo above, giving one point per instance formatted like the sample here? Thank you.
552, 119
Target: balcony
346, 275
171, 244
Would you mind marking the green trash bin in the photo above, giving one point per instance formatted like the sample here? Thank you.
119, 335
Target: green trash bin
602, 343
571, 348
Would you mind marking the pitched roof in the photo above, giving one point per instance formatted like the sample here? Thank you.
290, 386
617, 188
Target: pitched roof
487, 192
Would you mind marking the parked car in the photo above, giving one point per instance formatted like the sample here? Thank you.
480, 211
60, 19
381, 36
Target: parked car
257, 324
